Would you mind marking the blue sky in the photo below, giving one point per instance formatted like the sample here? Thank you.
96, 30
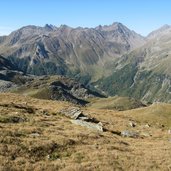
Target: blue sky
142, 16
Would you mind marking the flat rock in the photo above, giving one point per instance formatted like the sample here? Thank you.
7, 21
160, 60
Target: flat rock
145, 134
73, 113
94, 126
127, 133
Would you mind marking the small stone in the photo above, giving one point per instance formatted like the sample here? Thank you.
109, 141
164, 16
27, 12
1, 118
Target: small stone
132, 124
128, 133
145, 134
35, 135
147, 125
45, 112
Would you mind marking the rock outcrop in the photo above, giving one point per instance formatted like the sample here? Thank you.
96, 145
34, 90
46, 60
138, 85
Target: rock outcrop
81, 119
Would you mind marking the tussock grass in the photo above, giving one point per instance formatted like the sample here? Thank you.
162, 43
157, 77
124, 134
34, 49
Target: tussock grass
116, 103
49, 141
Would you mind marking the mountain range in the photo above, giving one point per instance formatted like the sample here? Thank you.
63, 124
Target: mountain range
144, 73
68, 51
112, 59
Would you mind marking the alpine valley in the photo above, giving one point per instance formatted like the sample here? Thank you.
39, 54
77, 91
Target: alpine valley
85, 99
113, 60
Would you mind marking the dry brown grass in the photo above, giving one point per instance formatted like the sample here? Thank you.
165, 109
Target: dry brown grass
46, 140
115, 103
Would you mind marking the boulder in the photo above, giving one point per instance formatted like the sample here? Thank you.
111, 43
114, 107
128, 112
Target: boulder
79, 118
73, 113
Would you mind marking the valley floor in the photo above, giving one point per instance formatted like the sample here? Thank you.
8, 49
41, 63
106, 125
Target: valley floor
35, 136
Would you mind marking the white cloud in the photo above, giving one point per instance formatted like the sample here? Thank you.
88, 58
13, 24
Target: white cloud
5, 30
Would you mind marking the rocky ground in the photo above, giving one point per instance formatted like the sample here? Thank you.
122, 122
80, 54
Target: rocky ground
6, 86
57, 88
41, 135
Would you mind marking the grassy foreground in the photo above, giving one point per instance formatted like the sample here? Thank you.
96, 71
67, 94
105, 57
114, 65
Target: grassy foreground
35, 136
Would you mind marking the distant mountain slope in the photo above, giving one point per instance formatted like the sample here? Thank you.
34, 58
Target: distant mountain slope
57, 88
68, 51
145, 73
10, 76
166, 29
43, 87
113, 58
6, 64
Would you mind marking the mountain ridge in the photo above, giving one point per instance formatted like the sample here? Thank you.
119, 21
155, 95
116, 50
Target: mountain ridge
165, 29
143, 73
112, 58
68, 51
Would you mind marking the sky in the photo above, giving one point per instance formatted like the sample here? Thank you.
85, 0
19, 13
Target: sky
142, 16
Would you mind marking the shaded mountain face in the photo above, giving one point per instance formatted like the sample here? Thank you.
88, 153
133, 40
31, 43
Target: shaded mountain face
57, 88
145, 73
6, 64
10, 76
43, 87
68, 51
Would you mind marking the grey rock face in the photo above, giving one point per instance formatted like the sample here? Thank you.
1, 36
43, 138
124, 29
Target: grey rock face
6, 86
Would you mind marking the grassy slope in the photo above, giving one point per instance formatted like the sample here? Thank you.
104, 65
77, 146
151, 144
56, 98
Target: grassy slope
156, 114
116, 103
46, 140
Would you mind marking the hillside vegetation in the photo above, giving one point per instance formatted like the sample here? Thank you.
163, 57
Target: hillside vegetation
143, 73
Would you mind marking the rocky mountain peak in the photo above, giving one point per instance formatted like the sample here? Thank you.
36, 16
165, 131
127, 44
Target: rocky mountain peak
50, 27
116, 26
165, 29
62, 26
